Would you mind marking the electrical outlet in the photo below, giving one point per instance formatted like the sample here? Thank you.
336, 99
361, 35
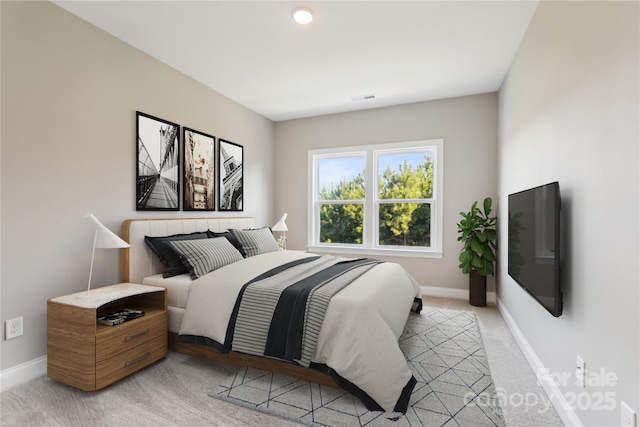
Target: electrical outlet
581, 373
628, 416
13, 328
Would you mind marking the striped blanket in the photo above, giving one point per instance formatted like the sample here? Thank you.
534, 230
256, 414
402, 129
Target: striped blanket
280, 313
375, 306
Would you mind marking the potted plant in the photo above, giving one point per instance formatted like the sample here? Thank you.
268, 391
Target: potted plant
477, 230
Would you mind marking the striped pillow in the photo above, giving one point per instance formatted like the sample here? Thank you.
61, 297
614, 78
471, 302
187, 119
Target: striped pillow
171, 262
257, 241
205, 255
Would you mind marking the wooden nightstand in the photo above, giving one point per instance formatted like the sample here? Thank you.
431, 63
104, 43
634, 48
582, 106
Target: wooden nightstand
91, 356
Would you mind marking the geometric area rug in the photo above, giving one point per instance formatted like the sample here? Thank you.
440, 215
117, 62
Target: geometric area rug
444, 351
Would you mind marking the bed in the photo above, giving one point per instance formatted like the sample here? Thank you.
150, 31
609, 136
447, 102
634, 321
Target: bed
374, 301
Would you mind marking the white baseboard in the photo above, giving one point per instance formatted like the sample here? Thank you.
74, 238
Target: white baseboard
434, 291
559, 402
22, 373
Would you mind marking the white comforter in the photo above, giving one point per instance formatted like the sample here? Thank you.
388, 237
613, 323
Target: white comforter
359, 335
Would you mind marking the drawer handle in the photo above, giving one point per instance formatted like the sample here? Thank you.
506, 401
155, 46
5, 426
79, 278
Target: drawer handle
130, 337
137, 359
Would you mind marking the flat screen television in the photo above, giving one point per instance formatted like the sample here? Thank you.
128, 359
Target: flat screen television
534, 244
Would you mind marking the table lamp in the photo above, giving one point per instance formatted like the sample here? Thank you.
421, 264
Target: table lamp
281, 226
102, 238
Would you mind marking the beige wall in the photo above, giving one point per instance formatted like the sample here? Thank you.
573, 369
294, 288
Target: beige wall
69, 97
569, 112
468, 126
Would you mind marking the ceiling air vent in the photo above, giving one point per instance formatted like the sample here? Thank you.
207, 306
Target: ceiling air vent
363, 97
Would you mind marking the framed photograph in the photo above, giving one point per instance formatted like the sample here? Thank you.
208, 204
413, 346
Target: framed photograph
198, 171
231, 175
157, 177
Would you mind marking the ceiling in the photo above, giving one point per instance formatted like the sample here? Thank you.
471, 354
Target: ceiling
253, 52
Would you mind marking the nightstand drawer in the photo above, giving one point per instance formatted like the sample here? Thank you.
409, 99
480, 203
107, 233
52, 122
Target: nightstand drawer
125, 363
120, 338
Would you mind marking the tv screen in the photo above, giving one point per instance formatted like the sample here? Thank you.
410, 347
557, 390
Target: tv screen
534, 244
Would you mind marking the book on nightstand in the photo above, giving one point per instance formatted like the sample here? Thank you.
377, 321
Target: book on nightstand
121, 316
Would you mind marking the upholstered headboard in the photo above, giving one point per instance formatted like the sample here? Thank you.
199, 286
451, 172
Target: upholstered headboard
138, 261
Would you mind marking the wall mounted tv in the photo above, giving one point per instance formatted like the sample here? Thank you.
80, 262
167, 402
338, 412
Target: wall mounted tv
534, 244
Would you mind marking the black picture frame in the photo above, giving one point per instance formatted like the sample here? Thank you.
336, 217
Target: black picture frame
230, 176
157, 164
198, 171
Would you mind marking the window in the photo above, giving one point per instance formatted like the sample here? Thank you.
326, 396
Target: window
379, 199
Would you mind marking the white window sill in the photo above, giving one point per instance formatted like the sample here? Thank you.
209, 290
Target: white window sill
406, 253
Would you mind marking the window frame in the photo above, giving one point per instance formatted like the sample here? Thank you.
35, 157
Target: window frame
370, 244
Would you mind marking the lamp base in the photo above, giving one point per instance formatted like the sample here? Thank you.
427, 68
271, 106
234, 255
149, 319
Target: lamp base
84, 295
96, 293
282, 243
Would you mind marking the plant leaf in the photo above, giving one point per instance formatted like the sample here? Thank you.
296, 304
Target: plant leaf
476, 246
477, 262
487, 206
465, 257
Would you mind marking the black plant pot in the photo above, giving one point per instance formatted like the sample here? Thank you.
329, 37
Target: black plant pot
477, 289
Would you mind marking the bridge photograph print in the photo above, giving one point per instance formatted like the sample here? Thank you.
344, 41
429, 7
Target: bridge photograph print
157, 177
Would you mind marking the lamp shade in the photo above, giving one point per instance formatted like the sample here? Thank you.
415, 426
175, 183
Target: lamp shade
105, 238
281, 225
102, 238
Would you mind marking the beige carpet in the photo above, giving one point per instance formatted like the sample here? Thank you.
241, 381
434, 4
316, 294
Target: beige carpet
171, 392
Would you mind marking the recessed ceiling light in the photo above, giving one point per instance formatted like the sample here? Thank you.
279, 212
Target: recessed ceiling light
302, 15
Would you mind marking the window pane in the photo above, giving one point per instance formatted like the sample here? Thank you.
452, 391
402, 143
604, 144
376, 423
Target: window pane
341, 178
341, 223
405, 224
405, 175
